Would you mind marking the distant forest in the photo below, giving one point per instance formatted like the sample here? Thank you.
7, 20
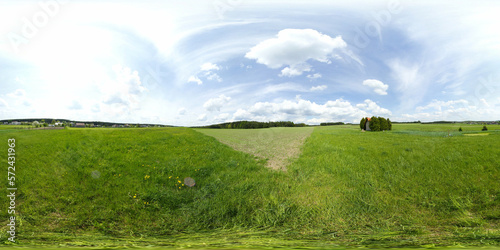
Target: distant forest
254, 124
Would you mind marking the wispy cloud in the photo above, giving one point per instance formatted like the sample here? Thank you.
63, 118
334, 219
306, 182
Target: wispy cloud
319, 88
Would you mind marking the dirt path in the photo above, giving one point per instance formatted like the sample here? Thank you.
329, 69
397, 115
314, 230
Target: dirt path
278, 145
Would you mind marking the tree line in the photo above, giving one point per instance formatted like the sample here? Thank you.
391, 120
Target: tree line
331, 123
254, 124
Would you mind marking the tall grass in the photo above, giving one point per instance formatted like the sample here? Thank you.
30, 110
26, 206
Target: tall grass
129, 183
391, 181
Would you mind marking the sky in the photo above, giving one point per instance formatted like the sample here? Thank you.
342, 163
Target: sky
200, 62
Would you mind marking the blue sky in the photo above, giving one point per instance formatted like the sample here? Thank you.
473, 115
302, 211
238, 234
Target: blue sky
197, 62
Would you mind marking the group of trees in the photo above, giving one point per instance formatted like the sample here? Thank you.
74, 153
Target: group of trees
254, 124
376, 123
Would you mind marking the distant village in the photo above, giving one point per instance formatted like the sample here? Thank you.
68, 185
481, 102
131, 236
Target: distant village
52, 123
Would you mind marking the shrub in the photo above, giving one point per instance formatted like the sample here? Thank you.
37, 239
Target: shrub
460, 129
389, 124
484, 128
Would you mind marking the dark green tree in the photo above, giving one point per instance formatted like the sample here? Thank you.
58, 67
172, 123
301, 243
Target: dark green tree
362, 123
389, 124
383, 124
484, 128
374, 124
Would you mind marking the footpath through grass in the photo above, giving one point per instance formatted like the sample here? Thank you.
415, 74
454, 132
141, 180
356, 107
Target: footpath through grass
278, 146
124, 187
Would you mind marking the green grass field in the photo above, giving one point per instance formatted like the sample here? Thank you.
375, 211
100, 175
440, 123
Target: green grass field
418, 185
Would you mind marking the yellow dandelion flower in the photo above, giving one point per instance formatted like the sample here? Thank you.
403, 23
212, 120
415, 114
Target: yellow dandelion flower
179, 187
134, 196
170, 177
144, 203
179, 181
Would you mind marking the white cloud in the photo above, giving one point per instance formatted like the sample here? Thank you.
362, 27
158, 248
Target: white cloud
411, 81
96, 108
115, 98
213, 76
3, 103
295, 70
129, 79
202, 117
281, 87
314, 76
195, 79
294, 47
181, 111
299, 110
436, 105
224, 117
319, 88
209, 66
124, 92
378, 86
242, 114
206, 72
75, 105
19, 97
215, 104
373, 108
454, 110
19, 93
484, 102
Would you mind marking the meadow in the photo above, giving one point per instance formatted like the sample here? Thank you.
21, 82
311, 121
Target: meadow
418, 185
